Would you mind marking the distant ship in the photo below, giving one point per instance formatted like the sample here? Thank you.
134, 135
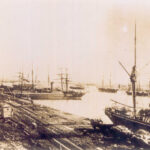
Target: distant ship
26, 90
109, 89
74, 91
70, 92
78, 87
139, 91
126, 115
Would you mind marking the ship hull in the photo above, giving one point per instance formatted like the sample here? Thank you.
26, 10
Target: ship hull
108, 90
138, 93
127, 121
49, 96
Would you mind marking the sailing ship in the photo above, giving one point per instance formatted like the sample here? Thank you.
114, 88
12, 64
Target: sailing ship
109, 89
126, 115
70, 92
139, 91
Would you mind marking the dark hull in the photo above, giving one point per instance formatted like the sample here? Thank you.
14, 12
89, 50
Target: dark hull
73, 94
109, 90
48, 96
138, 93
127, 121
76, 88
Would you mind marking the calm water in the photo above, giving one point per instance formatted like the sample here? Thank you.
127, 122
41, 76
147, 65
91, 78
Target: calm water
94, 103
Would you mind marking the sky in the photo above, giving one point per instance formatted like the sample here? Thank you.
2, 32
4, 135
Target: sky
88, 37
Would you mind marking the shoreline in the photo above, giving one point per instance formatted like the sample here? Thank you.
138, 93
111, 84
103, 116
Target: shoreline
34, 126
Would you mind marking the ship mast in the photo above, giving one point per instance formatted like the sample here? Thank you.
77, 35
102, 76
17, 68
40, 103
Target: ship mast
110, 82
66, 81
103, 82
133, 77
48, 79
21, 76
32, 77
61, 80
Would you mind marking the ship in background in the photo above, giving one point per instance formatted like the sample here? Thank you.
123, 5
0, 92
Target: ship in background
108, 89
32, 88
128, 116
139, 91
74, 90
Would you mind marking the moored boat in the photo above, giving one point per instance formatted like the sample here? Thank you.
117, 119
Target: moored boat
123, 116
109, 90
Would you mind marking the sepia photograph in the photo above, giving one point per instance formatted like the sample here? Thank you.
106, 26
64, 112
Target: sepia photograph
74, 75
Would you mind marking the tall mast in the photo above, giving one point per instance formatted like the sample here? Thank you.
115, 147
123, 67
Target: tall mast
103, 82
110, 81
66, 81
139, 86
21, 76
32, 78
48, 77
135, 47
61, 79
133, 77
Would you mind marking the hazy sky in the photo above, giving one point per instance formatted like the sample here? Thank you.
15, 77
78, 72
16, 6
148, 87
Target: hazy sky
86, 36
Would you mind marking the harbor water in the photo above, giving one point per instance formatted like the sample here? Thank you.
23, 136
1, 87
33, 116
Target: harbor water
93, 103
